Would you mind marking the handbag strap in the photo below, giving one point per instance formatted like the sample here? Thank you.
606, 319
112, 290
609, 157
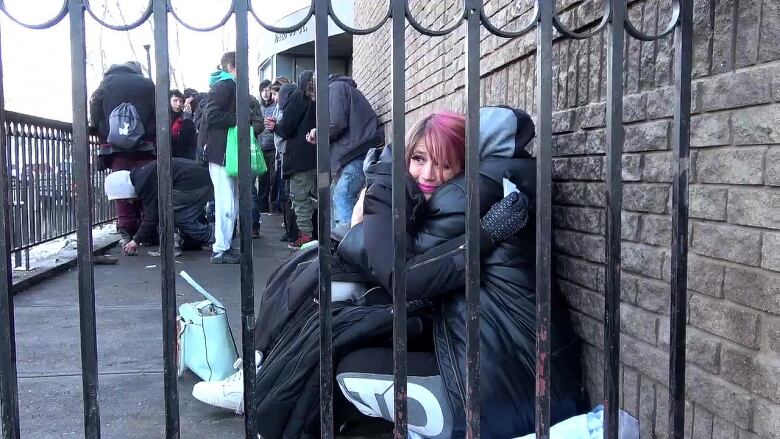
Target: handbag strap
200, 289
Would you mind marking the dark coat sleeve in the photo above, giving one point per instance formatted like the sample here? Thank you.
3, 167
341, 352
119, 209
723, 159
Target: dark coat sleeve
188, 137
293, 112
338, 106
256, 118
147, 193
217, 111
96, 114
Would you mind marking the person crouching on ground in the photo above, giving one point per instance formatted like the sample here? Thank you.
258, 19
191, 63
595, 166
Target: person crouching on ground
191, 189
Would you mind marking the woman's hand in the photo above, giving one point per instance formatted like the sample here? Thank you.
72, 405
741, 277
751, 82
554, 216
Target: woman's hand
357, 211
507, 217
131, 248
311, 136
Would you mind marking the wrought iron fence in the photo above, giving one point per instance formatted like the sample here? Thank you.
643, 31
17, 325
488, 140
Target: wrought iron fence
615, 24
40, 172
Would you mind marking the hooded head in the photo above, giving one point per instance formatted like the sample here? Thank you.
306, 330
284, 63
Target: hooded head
118, 186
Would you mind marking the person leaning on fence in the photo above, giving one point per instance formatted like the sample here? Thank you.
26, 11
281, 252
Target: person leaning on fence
299, 157
184, 136
122, 115
354, 129
220, 114
191, 189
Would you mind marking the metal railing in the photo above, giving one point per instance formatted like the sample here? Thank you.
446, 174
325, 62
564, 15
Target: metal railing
42, 196
615, 24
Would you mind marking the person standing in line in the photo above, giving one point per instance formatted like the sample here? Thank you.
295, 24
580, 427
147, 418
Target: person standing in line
354, 129
184, 137
220, 114
122, 116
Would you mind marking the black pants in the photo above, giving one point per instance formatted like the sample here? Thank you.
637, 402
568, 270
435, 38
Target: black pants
189, 215
365, 378
265, 184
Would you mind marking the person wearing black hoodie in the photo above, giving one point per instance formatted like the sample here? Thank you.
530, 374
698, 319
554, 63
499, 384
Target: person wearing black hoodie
299, 157
354, 129
124, 83
220, 114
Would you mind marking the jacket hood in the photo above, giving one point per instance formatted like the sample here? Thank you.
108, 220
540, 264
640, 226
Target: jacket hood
335, 77
504, 132
284, 95
220, 75
128, 67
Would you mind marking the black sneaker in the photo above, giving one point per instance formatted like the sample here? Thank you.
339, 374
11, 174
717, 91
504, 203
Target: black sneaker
256, 231
285, 237
225, 257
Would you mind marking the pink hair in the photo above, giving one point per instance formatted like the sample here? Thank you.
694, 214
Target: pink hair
444, 135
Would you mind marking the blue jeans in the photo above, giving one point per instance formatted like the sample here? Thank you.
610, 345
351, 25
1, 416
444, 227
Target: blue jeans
344, 192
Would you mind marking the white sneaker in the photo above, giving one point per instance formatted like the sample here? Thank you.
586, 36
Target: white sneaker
228, 393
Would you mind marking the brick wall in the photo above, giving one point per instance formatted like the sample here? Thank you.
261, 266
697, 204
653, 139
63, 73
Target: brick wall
733, 345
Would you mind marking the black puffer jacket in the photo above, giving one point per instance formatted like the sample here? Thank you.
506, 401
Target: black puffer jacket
507, 284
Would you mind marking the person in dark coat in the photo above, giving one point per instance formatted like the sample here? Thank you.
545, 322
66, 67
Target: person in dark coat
299, 157
184, 136
191, 189
266, 183
437, 273
220, 114
124, 83
354, 129
286, 334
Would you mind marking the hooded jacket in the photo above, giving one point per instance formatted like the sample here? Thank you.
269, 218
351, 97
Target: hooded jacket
297, 119
123, 83
507, 283
435, 279
354, 125
219, 115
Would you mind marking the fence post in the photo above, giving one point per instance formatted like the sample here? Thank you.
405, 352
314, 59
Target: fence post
544, 59
9, 393
86, 280
398, 68
323, 215
614, 205
165, 186
683, 52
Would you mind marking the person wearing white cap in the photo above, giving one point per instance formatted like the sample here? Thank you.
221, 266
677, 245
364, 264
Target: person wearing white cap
191, 190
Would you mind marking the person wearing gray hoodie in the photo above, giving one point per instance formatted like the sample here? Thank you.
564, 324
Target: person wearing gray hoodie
354, 129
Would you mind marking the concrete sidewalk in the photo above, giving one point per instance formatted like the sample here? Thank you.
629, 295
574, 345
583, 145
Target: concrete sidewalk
128, 304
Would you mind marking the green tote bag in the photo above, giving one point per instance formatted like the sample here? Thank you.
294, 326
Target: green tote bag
231, 153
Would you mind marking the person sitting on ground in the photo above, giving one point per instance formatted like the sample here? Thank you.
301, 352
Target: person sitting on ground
286, 330
191, 189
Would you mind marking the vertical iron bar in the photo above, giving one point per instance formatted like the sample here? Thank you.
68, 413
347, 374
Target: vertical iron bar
86, 275
165, 189
246, 180
473, 8
398, 66
544, 99
683, 52
613, 203
9, 394
323, 215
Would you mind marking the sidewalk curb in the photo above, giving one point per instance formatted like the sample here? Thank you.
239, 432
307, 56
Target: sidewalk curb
43, 273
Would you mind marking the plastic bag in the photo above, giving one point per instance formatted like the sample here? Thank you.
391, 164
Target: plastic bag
231, 153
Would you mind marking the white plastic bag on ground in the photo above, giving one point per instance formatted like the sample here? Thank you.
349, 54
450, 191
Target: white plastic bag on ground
591, 426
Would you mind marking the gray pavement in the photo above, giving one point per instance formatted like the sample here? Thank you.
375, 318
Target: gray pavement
129, 345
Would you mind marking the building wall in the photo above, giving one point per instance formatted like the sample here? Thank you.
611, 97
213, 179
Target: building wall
733, 348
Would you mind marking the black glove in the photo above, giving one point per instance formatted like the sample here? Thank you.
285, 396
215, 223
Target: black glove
507, 217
